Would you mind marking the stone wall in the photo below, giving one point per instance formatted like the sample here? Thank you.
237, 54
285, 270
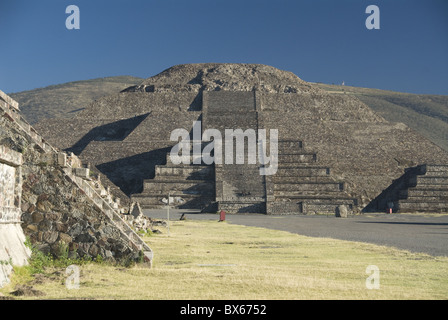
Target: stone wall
10, 185
56, 200
56, 211
13, 251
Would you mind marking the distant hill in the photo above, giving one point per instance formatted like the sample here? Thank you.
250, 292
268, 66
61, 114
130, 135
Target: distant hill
426, 114
65, 100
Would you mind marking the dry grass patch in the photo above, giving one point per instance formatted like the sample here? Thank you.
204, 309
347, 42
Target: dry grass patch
211, 260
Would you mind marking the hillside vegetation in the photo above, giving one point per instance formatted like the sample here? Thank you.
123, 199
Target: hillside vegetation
65, 100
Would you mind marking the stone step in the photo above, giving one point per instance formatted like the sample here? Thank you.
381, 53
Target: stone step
419, 206
285, 208
432, 180
196, 160
182, 166
175, 196
302, 179
436, 170
291, 160
229, 101
430, 187
309, 193
424, 192
193, 177
310, 206
185, 160
284, 148
207, 193
243, 187
186, 172
327, 197
224, 123
296, 159
186, 186
232, 120
242, 206
302, 171
309, 186
427, 198
190, 201
331, 208
299, 157
437, 173
290, 146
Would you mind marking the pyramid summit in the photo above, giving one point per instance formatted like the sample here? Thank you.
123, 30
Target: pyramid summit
224, 76
334, 152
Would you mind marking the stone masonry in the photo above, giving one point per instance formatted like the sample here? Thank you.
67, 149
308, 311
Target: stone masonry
423, 188
13, 251
50, 197
335, 153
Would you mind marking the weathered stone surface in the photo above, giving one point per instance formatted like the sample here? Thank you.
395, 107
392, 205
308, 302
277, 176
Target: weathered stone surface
65, 238
50, 236
32, 228
37, 217
126, 136
423, 188
94, 250
342, 212
58, 206
13, 252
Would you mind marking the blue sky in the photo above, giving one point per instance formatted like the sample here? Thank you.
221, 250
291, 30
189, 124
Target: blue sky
318, 40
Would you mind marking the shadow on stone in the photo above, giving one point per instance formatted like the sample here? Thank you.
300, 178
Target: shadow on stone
115, 131
129, 173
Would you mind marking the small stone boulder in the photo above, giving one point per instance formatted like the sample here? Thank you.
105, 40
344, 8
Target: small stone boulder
341, 212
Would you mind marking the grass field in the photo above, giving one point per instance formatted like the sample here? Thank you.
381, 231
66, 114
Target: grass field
212, 260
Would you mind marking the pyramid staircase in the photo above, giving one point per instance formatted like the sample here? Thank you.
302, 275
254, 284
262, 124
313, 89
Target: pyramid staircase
72, 168
239, 187
424, 189
302, 186
191, 186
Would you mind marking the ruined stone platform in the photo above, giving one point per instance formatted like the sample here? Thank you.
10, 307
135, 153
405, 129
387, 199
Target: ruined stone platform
51, 198
334, 151
426, 190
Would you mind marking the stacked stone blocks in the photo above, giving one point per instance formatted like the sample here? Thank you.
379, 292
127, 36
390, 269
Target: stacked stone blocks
426, 190
61, 203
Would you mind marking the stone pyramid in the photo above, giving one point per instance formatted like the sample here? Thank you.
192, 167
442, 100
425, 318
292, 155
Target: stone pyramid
333, 150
